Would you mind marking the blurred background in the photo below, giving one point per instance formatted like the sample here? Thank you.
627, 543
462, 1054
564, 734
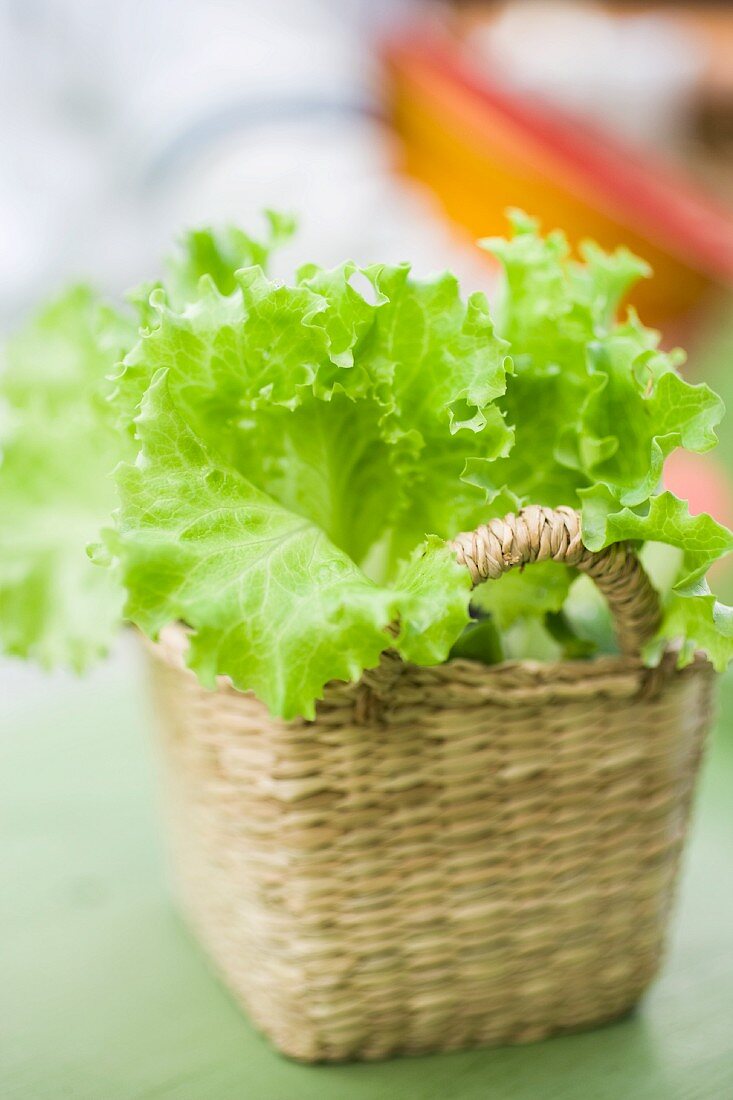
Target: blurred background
122, 122
392, 129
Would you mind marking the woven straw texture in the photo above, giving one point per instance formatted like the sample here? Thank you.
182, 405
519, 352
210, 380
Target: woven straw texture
447, 857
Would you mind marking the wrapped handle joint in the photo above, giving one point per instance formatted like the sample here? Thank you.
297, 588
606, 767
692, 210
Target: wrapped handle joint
547, 534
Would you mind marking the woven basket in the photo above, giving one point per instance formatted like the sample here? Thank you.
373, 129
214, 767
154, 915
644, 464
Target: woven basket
450, 856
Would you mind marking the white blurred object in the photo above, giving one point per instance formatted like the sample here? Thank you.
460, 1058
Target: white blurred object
334, 173
635, 74
287, 122
123, 123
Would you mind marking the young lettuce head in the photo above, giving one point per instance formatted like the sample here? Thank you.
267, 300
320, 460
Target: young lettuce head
297, 456
59, 443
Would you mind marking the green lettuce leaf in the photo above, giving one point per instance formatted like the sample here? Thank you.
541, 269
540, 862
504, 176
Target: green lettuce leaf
360, 415
591, 400
553, 311
218, 253
693, 618
697, 623
271, 601
58, 448
531, 592
666, 519
638, 411
213, 254
596, 409
479, 641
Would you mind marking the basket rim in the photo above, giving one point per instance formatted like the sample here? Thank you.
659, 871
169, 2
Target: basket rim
509, 683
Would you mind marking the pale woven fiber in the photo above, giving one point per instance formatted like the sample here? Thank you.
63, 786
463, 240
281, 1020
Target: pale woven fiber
447, 857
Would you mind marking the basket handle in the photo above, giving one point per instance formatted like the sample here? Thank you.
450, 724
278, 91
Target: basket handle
543, 534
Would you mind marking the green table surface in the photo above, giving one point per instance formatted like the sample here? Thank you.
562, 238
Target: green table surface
105, 996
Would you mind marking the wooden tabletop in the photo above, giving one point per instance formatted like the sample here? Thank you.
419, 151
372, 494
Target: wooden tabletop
105, 997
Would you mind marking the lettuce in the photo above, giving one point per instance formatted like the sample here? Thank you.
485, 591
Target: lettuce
597, 407
297, 444
292, 459
272, 601
58, 448
60, 441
